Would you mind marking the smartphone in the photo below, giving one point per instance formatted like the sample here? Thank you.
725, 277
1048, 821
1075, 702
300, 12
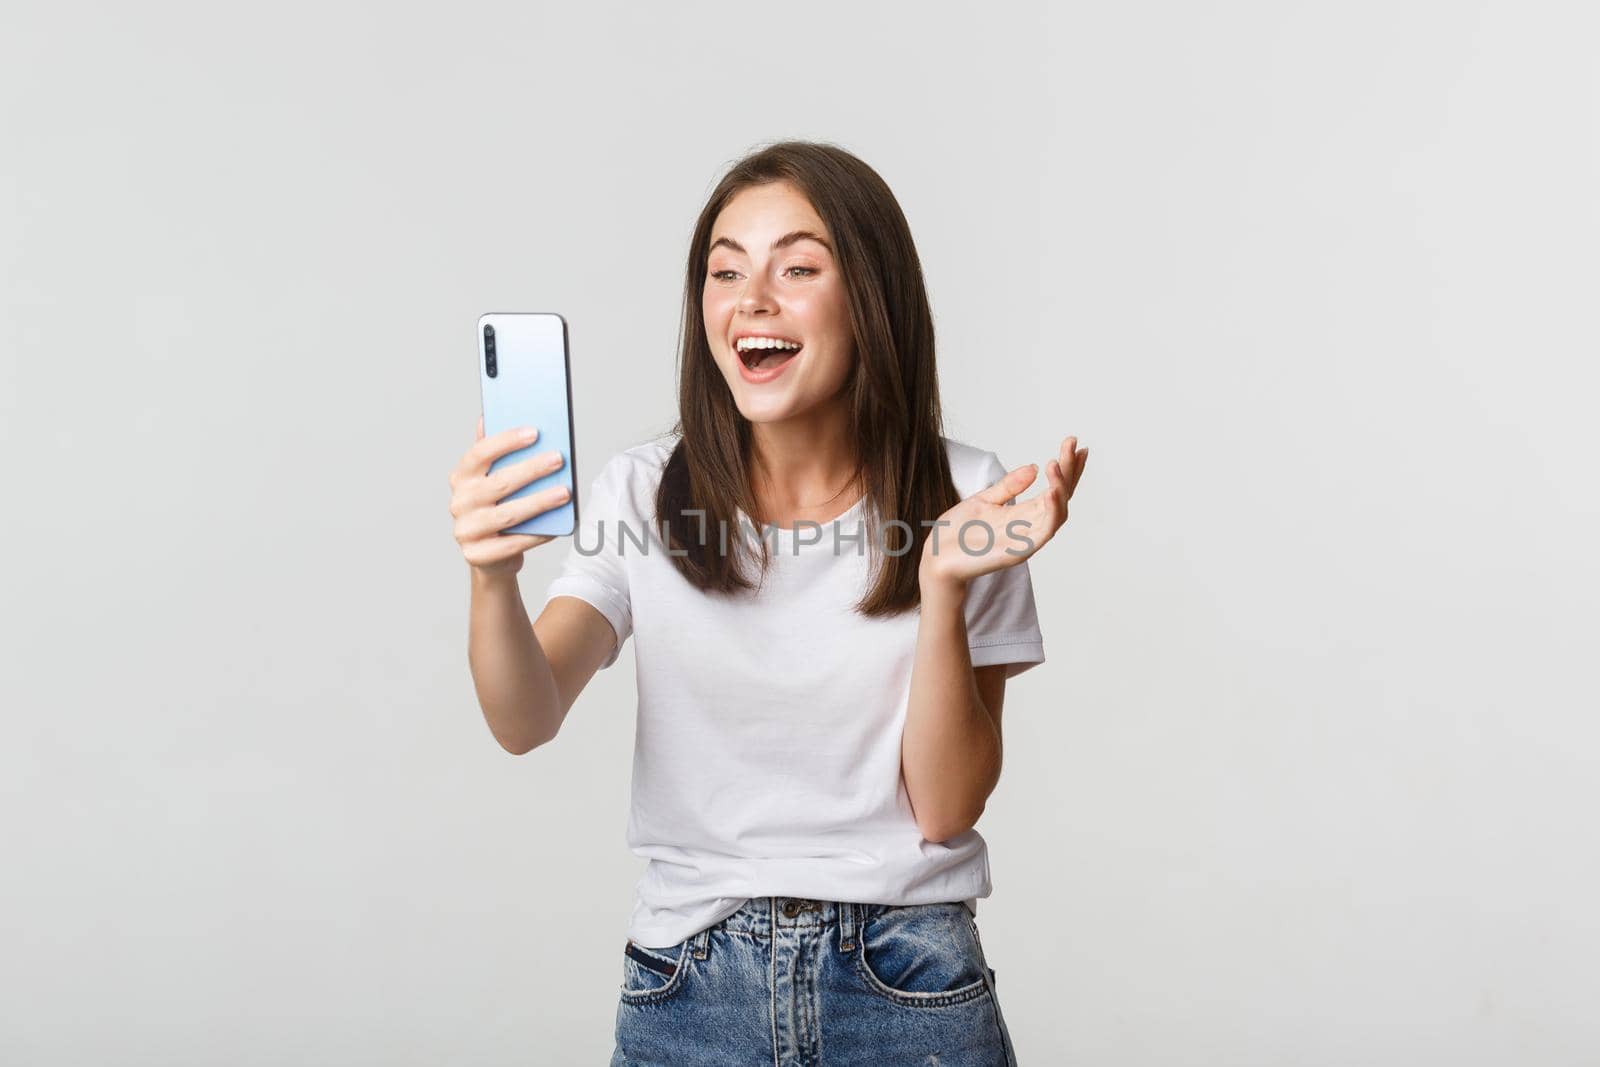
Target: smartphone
526, 379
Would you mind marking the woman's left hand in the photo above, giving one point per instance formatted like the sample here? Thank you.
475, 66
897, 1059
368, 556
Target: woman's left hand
952, 559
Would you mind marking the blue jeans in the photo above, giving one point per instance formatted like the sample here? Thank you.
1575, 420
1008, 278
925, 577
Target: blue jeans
794, 982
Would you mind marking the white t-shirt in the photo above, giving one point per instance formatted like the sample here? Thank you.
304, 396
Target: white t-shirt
767, 741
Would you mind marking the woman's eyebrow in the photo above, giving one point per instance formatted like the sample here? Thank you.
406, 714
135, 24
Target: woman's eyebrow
787, 239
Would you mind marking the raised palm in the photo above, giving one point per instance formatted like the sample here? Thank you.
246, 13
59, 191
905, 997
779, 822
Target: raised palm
985, 533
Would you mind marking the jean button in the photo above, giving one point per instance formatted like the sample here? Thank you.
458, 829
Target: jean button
791, 908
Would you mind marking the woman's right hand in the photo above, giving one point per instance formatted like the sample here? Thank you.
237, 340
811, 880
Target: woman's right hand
474, 493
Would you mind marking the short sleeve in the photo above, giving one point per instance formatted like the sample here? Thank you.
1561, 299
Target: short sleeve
594, 570
1002, 623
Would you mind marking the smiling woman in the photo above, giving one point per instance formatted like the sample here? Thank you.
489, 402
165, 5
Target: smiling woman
818, 724
805, 243
809, 344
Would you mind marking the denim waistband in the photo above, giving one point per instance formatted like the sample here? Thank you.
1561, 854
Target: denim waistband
759, 915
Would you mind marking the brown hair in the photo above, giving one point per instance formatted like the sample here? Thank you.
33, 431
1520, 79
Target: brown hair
893, 387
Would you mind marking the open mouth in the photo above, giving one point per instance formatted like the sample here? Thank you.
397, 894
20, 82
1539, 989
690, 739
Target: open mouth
766, 353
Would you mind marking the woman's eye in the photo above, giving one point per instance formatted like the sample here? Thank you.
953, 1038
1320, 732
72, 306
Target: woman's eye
725, 275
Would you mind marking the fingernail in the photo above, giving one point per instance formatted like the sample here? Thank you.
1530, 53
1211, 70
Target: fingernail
529, 433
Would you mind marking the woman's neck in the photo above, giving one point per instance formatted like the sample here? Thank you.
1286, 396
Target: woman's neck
805, 465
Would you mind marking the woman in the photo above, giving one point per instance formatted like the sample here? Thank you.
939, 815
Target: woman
828, 596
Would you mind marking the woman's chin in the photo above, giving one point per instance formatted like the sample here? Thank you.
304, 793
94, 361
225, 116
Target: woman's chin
766, 409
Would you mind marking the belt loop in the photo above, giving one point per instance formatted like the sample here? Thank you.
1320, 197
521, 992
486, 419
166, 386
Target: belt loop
847, 926
702, 942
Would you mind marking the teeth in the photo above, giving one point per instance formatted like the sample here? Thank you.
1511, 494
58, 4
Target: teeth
745, 344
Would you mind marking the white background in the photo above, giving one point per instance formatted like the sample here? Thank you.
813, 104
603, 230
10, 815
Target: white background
1309, 776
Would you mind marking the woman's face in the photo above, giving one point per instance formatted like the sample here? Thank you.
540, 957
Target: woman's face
764, 280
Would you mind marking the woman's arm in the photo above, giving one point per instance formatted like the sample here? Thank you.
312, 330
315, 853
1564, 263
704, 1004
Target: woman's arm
527, 676
524, 694
950, 753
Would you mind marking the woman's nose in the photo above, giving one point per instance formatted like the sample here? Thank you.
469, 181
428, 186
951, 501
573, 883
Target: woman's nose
755, 294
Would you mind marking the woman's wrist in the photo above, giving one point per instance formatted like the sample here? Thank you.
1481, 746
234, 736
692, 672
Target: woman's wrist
937, 586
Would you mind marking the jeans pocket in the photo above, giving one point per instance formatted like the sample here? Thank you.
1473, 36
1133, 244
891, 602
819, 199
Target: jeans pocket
651, 975
922, 955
